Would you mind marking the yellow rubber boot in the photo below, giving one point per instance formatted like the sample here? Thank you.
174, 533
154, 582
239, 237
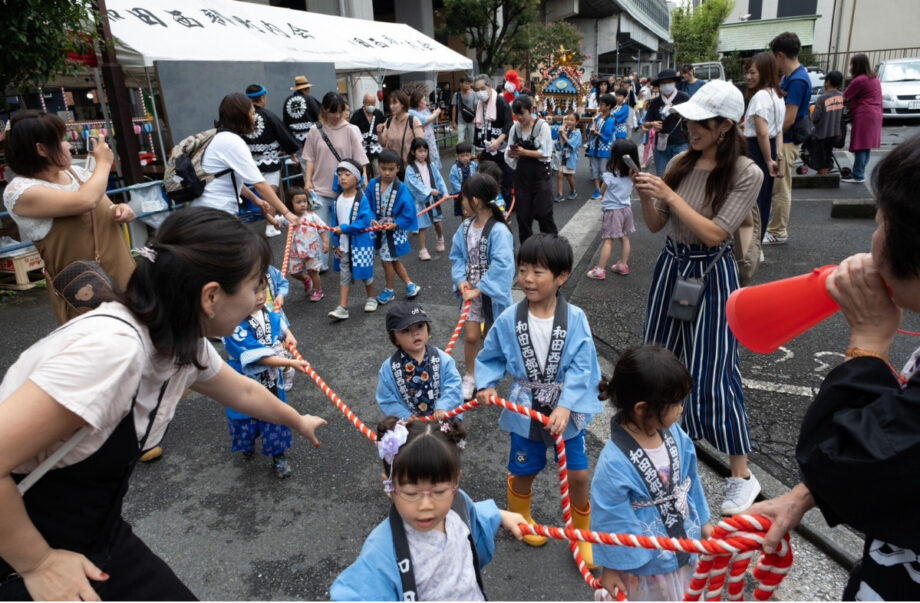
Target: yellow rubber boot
520, 503
582, 521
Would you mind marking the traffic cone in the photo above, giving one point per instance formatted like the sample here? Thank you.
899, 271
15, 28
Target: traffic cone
764, 317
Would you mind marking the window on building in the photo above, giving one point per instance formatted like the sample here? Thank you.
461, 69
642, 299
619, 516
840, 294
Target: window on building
796, 8
755, 9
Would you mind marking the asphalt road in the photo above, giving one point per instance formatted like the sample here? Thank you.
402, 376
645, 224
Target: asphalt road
232, 530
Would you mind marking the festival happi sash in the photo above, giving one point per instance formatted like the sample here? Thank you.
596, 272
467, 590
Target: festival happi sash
544, 388
464, 172
483, 264
436, 212
355, 208
672, 504
262, 332
404, 367
385, 210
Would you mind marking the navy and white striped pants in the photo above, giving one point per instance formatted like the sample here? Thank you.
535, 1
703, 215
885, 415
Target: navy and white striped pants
714, 410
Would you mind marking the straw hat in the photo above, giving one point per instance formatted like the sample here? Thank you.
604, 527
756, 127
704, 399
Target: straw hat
301, 82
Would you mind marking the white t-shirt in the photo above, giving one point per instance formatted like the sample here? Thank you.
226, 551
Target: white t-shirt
92, 367
543, 141
443, 562
768, 105
36, 229
541, 330
343, 207
661, 460
424, 174
227, 150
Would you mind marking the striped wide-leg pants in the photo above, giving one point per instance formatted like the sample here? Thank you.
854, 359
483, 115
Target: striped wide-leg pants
715, 408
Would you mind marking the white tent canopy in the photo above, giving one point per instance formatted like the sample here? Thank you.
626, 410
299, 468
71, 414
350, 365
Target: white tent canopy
229, 30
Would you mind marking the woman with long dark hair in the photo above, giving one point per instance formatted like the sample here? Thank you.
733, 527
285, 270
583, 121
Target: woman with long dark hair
763, 122
864, 94
705, 195
400, 129
109, 381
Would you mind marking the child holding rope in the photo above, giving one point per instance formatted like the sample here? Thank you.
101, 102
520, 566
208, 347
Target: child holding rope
646, 480
482, 266
354, 249
256, 350
436, 539
392, 204
545, 344
419, 380
427, 186
307, 244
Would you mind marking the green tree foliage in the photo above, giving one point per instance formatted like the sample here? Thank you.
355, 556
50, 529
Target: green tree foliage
37, 35
696, 32
494, 29
544, 43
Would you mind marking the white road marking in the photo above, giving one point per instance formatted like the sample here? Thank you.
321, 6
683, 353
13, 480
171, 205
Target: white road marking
781, 388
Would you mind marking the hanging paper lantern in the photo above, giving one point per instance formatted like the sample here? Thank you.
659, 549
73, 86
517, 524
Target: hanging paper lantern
102, 131
137, 129
148, 127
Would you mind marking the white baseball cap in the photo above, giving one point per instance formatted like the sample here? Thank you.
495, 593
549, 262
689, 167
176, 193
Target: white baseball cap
717, 98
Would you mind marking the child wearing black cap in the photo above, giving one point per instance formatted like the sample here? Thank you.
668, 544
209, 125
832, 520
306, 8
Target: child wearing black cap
418, 380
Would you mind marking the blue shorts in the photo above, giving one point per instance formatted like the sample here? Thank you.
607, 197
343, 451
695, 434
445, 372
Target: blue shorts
528, 457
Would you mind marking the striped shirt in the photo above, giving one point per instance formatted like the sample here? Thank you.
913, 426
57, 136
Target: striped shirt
692, 189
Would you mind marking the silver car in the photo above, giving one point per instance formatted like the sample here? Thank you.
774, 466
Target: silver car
900, 79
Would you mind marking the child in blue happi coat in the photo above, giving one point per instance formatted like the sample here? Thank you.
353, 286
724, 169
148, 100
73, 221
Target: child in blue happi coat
354, 249
460, 172
646, 480
494, 171
621, 114
392, 204
482, 266
427, 187
545, 344
418, 380
256, 350
600, 138
436, 539
567, 144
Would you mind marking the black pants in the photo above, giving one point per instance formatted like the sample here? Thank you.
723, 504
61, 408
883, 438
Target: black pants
533, 195
765, 196
136, 574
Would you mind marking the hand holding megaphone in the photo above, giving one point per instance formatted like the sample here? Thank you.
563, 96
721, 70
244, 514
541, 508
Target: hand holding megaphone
764, 317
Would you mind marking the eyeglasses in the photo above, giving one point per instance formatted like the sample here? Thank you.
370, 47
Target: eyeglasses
438, 494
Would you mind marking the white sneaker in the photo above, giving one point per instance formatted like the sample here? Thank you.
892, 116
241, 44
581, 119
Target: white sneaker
740, 494
469, 387
271, 231
370, 305
339, 313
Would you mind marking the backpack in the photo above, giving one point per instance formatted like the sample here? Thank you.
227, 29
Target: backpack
184, 179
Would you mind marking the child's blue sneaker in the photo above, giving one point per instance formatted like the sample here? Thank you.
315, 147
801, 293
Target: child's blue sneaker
596, 195
386, 296
412, 290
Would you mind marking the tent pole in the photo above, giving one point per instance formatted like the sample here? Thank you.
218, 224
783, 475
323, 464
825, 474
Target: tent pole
106, 115
156, 117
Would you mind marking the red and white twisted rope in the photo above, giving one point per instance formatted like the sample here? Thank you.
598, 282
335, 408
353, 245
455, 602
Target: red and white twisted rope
364, 429
464, 313
433, 205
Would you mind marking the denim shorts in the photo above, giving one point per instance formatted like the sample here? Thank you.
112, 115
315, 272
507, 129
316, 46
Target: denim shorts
528, 457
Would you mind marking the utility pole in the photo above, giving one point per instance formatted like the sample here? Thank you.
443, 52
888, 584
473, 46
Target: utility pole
113, 79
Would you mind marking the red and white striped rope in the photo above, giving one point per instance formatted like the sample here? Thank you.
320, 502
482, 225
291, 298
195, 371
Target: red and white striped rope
464, 314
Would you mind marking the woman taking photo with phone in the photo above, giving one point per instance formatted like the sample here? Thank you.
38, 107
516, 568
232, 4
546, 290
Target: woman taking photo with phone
62, 208
704, 196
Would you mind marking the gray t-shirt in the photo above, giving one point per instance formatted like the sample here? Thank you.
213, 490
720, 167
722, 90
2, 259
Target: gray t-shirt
469, 100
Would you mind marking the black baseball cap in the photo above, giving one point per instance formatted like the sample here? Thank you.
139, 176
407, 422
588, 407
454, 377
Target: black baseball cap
403, 315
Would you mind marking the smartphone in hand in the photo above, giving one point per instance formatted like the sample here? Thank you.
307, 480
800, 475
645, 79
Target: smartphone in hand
90, 144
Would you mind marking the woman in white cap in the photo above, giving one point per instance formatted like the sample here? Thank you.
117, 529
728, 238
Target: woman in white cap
705, 195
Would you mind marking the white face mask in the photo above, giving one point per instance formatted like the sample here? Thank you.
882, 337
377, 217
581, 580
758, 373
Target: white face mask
667, 89
369, 108
483, 95
509, 87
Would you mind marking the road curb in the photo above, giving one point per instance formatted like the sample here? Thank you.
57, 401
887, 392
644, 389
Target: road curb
853, 208
840, 543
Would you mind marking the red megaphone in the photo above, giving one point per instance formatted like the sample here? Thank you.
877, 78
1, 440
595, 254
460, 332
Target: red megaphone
764, 317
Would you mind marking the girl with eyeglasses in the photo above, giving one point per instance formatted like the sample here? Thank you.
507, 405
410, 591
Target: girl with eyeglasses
436, 539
